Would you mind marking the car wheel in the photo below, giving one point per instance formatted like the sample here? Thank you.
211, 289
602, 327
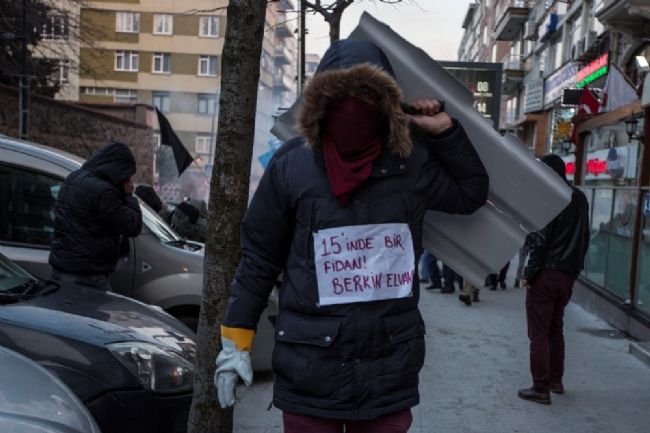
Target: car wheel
191, 322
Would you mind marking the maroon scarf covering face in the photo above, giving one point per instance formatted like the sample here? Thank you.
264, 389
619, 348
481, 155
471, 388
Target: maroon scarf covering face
351, 142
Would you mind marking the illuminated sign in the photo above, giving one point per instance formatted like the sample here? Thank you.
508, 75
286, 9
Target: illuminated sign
484, 81
592, 71
558, 81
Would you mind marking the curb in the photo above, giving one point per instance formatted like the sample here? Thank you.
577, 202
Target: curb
641, 351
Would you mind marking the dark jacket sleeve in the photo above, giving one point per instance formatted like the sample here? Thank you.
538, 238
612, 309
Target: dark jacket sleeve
265, 238
458, 180
120, 213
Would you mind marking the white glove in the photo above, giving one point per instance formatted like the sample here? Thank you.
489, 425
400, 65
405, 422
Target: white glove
231, 364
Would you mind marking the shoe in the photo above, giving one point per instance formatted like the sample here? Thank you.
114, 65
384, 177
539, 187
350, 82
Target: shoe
557, 388
465, 298
502, 284
433, 286
531, 394
424, 281
447, 290
493, 288
475, 296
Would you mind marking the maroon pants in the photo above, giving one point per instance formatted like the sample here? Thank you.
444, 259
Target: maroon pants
398, 422
549, 293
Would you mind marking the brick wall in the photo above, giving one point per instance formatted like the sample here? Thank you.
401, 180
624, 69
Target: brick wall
76, 129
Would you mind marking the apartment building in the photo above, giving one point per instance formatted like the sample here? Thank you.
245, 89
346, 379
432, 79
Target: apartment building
168, 53
554, 50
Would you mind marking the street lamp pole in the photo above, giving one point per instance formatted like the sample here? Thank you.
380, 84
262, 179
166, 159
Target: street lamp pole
23, 97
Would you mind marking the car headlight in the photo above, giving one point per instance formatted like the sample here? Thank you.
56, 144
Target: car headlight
159, 369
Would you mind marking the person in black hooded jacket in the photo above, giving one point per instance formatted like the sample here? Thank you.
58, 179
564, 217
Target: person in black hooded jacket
557, 255
339, 211
95, 209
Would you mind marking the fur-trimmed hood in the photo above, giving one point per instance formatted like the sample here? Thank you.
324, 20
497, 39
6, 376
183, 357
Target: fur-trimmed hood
347, 69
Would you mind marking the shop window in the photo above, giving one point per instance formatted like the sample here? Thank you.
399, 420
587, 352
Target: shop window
619, 257
599, 236
27, 206
643, 272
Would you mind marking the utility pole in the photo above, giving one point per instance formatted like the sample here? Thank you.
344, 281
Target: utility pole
23, 97
301, 62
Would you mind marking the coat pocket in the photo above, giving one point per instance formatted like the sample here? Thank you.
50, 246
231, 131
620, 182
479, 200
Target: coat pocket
404, 351
306, 354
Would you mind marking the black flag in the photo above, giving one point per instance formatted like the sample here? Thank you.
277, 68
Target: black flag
169, 138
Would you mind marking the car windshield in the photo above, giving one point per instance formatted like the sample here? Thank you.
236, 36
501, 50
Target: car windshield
11, 276
157, 225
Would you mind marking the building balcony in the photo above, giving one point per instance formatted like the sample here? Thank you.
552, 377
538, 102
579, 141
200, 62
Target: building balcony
282, 29
283, 83
510, 18
514, 69
283, 55
627, 16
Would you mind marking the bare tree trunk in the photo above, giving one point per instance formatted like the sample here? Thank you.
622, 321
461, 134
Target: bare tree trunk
228, 199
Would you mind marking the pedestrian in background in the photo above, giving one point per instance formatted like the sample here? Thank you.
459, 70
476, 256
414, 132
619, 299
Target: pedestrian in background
93, 215
470, 293
189, 219
557, 254
347, 359
500, 278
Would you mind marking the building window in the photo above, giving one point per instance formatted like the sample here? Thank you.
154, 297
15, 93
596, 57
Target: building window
209, 27
203, 144
207, 103
208, 66
161, 101
56, 27
125, 96
97, 91
161, 63
126, 61
62, 74
162, 24
156, 141
127, 22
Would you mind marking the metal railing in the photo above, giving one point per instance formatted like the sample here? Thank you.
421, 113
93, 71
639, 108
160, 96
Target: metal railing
513, 62
505, 5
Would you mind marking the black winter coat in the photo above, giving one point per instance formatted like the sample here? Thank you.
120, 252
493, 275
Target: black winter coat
92, 213
562, 244
360, 360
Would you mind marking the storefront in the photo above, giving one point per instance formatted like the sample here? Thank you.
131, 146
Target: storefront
609, 168
559, 116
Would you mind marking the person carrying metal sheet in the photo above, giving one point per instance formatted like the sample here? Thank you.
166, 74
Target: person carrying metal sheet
339, 211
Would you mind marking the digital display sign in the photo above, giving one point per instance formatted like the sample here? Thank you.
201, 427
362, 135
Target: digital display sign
484, 81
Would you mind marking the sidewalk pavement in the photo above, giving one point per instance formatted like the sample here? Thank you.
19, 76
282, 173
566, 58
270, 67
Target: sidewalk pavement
477, 359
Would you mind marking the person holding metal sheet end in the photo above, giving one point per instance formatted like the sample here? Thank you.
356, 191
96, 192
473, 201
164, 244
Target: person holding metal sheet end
557, 255
339, 212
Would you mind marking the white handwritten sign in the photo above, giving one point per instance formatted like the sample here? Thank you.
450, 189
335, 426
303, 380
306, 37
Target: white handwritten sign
364, 263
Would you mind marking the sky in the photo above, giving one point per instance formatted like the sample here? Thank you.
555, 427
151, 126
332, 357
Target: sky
433, 25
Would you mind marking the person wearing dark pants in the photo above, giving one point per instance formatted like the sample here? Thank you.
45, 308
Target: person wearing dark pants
434, 273
449, 276
557, 255
500, 279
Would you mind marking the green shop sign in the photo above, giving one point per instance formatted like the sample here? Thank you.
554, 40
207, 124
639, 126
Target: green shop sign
592, 71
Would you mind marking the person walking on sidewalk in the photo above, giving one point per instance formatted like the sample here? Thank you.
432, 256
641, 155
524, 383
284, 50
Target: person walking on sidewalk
557, 254
94, 212
469, 293
353, 189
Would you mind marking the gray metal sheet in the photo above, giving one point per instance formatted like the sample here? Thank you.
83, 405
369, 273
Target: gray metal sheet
524, 193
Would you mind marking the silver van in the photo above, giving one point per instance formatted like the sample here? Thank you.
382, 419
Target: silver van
158, 267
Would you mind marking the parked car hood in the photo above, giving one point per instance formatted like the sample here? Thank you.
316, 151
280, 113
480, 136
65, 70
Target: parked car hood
33, 400
97, 317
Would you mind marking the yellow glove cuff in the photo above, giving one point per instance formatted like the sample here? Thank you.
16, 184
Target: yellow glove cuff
242, 337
